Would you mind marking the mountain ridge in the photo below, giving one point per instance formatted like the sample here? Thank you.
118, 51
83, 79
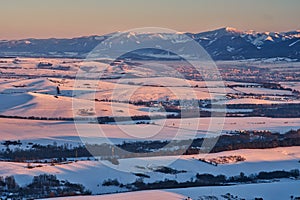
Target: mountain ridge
225, 43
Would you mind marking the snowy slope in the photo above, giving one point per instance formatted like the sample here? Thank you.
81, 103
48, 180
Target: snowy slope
93, 173
268, 191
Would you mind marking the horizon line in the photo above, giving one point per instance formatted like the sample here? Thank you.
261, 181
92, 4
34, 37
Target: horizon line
183, 32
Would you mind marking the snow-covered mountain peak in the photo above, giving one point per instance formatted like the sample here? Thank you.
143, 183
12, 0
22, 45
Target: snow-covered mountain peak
226, 43
232, 30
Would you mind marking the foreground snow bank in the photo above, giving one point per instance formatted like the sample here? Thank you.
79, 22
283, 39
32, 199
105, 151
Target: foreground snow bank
276, 190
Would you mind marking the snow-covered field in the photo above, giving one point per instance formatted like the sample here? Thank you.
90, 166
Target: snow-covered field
44, 105
24, 76
267, 191
29, 88
293, 85
262, 91
66, 132
121, 91
93, 173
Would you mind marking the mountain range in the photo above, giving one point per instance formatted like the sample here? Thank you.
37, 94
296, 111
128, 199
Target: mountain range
221, 44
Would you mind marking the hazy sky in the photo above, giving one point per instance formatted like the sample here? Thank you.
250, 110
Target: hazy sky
71, 18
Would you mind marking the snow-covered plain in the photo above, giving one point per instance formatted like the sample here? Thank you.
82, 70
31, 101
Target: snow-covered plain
29, 90
93, 173
44, 105
293, 85
268, 191
24, 76
64, 132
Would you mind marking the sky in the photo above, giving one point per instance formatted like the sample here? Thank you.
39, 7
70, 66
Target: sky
74, 18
